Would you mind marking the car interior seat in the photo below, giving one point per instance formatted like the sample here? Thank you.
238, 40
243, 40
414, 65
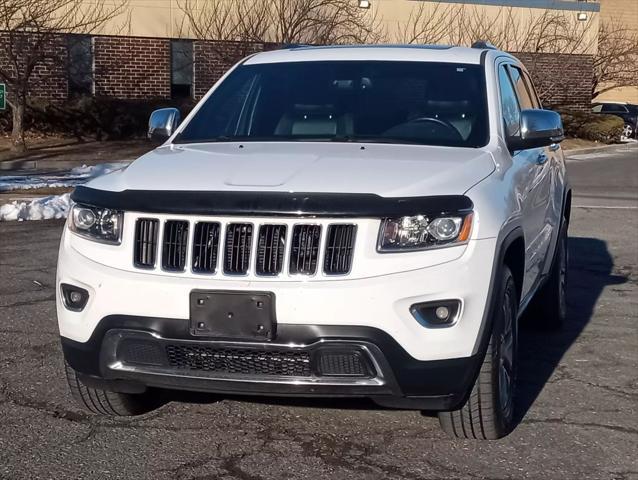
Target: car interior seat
314, 120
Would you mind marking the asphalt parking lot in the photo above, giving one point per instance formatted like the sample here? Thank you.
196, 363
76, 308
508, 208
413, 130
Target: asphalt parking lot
578, 398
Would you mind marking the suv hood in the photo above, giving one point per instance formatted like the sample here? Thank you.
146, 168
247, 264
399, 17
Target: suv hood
382, 169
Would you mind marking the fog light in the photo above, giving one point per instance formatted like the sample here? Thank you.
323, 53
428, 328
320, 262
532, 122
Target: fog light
442, 313
75, 298
436, 314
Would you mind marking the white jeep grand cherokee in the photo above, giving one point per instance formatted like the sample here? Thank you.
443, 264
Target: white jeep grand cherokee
331, 221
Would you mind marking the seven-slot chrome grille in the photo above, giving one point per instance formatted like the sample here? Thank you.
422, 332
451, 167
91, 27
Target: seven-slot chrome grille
242, 248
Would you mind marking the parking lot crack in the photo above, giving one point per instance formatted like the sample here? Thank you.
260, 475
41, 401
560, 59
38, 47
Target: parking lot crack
48, 298
561, 421
563, 374
47, 408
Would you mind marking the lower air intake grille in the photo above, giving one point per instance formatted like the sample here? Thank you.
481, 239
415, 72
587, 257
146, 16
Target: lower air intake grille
205, 246
145, 250
239, 238
270, 249
305, 249
343, 364
141, 352
339, 247
174, 245
240, 361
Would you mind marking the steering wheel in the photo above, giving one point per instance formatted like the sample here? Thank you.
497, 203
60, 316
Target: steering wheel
436, 121
453, 132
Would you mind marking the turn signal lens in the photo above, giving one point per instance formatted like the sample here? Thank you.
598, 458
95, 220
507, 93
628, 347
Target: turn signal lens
466, 229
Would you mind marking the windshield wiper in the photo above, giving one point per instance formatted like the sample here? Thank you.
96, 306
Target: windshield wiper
248, 138
293, 138
373, 139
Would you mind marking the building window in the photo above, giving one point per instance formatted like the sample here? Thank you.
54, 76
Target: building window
181, 69
80, 67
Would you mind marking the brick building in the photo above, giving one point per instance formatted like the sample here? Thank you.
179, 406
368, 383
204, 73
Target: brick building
623, 13
152, 62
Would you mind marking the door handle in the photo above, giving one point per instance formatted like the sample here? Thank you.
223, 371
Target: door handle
541, 159
553, 147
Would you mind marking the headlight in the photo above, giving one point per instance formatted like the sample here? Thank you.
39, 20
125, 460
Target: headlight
99, 224
419, 232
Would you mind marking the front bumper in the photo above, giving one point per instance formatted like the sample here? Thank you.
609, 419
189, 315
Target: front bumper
381, 302
391, 376
429, 368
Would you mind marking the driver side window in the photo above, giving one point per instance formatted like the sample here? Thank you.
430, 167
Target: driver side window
509, 104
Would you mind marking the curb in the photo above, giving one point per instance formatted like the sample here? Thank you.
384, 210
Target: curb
6, 165
602, 148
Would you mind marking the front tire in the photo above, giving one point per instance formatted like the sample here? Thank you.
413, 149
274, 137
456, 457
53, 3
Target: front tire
488, 413
107, 403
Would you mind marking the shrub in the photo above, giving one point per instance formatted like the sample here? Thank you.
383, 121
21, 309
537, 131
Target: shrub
592, 126
92, 117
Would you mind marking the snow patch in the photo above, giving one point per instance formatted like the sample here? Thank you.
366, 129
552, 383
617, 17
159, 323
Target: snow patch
53, 206
73, 177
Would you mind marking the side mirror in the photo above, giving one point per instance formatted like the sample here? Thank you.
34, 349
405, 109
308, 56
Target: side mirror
163, 123
539, 128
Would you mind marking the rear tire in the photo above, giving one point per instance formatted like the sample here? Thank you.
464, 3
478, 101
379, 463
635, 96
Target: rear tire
104, 402
628, 132
488, 413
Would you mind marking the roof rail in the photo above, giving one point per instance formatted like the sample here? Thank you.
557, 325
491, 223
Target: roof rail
483, 44
292, 46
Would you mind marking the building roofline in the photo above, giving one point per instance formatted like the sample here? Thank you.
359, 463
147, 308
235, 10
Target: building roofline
573, 5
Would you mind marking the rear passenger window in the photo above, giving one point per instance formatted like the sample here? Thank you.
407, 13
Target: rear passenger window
509, 104
524, 96
611, 107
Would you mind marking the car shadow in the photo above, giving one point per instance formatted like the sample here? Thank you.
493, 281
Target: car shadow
540, 352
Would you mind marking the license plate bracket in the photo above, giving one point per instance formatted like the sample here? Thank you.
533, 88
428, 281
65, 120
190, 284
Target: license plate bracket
233, 314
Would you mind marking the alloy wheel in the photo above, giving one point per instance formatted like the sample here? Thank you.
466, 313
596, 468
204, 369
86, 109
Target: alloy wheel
562, 280
507, 352
627, 132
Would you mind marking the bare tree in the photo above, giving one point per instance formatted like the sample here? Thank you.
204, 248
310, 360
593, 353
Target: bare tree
613, 45
279, 21
239, 28
429, 23
30, 35
616, 62
511, 29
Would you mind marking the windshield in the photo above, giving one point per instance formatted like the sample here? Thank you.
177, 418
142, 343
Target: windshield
352, 101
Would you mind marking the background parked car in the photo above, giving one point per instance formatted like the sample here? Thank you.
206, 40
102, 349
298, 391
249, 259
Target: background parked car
627, 111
